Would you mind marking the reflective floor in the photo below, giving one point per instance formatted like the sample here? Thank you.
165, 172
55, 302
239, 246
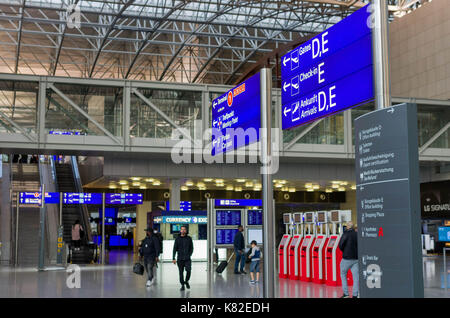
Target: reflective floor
118, 280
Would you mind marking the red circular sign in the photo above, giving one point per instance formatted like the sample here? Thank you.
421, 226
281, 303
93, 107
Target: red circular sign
230, 98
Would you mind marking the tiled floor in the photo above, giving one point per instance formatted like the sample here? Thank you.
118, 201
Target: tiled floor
118, 281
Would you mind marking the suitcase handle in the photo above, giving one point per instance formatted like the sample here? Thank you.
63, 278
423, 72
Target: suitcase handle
232, 254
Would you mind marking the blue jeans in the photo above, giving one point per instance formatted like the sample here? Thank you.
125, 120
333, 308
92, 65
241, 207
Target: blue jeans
346, 265
239, 258
254, 266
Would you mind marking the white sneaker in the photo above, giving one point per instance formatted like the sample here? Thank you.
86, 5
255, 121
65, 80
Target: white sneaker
149, 283
152, 281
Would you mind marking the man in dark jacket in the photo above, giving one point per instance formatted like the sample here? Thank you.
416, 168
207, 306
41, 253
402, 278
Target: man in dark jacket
349, 247
239, 246
150, 251
184, 247
160, 238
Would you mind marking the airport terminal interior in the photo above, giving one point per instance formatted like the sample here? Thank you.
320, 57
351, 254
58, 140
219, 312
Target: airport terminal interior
97, 98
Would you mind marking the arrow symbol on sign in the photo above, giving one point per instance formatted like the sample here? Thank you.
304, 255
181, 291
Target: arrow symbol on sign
286, 60
391, 110
295, 60
295, 86
214, 105
286, 110
286, 85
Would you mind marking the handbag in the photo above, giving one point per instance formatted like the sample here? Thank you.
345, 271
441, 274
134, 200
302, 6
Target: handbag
138, 269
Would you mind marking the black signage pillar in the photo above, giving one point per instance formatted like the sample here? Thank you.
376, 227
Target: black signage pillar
388, 203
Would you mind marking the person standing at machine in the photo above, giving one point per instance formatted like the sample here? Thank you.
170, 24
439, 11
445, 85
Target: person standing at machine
150, 251
184, 247
239, 246
349, 247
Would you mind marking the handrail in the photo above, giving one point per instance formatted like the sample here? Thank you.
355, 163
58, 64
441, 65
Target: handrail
83, 207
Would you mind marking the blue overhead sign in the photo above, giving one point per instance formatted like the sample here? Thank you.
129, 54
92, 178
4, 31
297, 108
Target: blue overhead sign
123, 198
240, 107
35, 198
238, 202
82, 198
329, 73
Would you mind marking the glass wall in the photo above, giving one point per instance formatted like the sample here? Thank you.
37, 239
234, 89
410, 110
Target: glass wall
103, 104
431, 119
182, 107
18, 102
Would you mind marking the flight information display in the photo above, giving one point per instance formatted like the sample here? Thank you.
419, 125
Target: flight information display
82, 198
228, 217
225, 236
254, 217
124, 198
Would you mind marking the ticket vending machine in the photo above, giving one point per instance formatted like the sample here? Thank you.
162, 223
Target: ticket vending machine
318, 250
283, 248
294, 248
333, 253
305, 249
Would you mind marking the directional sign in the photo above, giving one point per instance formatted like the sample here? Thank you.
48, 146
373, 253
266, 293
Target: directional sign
238, 202
82, 198
124, 198
329, 73
388, 203
240, 107
35, 198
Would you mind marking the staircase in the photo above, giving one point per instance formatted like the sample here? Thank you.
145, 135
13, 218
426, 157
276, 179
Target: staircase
71, 213
25, 178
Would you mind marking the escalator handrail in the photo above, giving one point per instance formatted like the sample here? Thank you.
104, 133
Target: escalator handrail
83, 208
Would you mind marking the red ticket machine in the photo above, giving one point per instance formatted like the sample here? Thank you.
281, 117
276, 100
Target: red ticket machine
283, 249
318, 250
294, 248
305, 249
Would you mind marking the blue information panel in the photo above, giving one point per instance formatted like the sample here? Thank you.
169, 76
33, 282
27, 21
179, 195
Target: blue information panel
123, 198
225, 236
444, 233
254, 217
240, 107
329, 73
228, 217
82, 198
35, 198
238, 202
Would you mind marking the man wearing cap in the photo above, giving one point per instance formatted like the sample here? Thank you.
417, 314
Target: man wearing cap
149, 250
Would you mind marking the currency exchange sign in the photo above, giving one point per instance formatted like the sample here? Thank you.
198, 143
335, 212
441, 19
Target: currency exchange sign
329, 73
240, 108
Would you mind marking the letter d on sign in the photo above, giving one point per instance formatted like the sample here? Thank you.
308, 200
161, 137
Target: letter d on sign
74, 279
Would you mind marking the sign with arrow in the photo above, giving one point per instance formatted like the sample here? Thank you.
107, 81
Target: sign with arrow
324, 73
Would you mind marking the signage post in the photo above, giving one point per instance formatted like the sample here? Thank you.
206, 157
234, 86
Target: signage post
388, 203
267, 185
16, 262
103, 228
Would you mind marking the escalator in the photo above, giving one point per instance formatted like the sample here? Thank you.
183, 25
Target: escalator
67, 180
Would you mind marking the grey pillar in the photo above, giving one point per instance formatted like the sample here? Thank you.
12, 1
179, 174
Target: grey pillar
42, 230
175, 194
380, 40
267, 186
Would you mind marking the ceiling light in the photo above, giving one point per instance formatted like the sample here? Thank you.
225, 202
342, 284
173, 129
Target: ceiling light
282, 181
156, 183
328, 190
258, 185
353, 187
220, 185
291, 189
208, 179
201, 188
219, 180
240, 180
310, 190
335, 186
149, 180
344, 183
136, 184
285, 189
341, 189
123, 182
189, 183
316, 187
338, 182
249, 184
125, 188
308, 185
135, 178
184, 188
230, 188
238, 189
112, 186
200, 185
143, 187
256, 189
278, 185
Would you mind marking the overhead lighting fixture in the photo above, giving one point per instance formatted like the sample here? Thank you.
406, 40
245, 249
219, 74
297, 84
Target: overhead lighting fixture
310, 190
335, 186
338, 182
257, 189
143, 187
328, 190
344, 183
282, 181
230, 188
123, 182
220, 185
353, 187
238, 189
112, 186
184, 188
284, 189
316, 187
156, 183
200, 185
207, 179
219, 180
149, 180
278, 185
135, 178
341, 189
308, 185
291, 189
189, 183
125, 188
201, 188
136, 184
249, 184
240, 180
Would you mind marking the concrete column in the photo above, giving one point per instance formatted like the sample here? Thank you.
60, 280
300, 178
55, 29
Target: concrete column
5, 215
175, 194
141, 220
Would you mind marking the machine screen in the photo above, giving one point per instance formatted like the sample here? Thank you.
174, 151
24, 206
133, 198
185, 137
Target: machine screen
321, 217
309, 217
332, 241
334, 216
286, 218
283, 241
294, 242
318, 241
305, 242
297, 218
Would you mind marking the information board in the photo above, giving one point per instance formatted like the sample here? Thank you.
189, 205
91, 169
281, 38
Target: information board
329, 73
124, 198
240, 107
388, 203
82, 198
228, 217
254, 217
35, 198
444, 233
238, 202
225, 236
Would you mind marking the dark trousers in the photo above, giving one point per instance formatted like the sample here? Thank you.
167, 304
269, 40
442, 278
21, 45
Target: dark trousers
148, 264
182, 265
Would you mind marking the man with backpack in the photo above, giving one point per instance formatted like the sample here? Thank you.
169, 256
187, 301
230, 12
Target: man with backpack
150, 251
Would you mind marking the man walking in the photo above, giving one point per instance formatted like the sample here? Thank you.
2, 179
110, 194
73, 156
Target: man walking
239, 246
150, 251
184, 247
349, 247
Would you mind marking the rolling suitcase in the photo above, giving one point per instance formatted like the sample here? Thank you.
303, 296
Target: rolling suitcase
223, 265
